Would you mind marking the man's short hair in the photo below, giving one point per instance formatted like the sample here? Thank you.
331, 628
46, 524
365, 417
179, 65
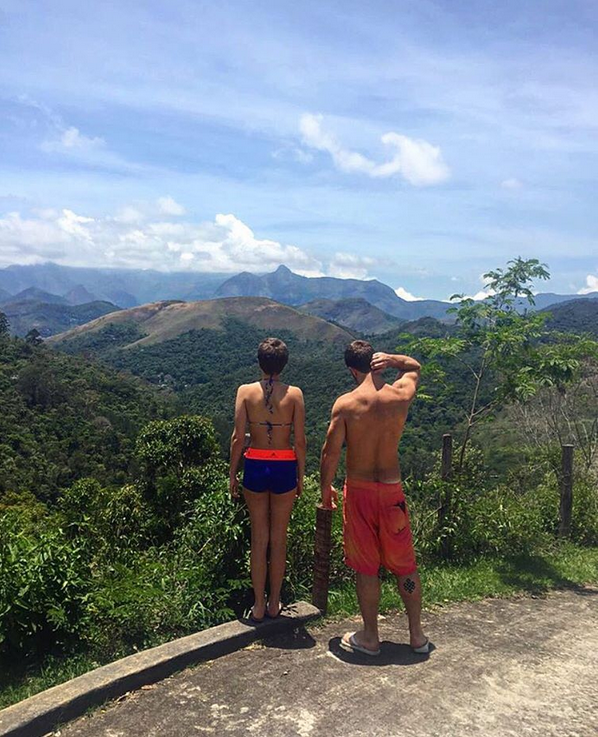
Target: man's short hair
272, 355
358, 356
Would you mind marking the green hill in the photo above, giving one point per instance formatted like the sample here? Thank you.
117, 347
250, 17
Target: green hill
354, 314
51, 318
63, 419
158, 322
576, 316
204, 350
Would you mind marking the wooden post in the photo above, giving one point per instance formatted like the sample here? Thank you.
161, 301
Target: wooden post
566, 491
447, 456
445, 503
322, 549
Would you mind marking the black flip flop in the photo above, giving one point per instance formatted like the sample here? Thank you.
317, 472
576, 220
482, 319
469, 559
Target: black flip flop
253, 620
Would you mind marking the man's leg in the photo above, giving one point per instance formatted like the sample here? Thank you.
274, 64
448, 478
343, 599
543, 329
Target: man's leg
411, 593
368, 595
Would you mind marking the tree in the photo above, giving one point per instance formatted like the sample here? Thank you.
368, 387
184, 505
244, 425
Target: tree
4, 324
34, 337
500, 349
179, 462
555, 416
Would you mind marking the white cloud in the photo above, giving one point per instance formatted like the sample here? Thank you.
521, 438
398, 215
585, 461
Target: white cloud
350, 265
416, 160
225, 244
407, 296
511, 183
168, 206
129, 214
591, 285
483, 294
71, 140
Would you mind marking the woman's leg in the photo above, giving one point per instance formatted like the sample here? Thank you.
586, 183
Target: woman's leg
258, 505
281, 506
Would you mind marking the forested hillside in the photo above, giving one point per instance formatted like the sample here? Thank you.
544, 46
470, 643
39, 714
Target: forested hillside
576, 316
206, 365
63, 419
354, 314
49, 318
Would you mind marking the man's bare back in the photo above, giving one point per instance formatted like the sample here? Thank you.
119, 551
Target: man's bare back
370, 420
374, 414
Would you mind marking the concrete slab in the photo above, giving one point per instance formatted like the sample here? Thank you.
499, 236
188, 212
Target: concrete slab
500, 668
41, 713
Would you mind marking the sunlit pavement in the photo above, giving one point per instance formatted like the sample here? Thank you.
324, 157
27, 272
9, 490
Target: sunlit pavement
524, 666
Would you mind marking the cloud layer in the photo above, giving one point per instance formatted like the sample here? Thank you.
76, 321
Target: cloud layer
417, 161
147, 236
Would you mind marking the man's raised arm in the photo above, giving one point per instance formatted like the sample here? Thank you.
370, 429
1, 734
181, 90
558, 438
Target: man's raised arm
408, 370
331, 454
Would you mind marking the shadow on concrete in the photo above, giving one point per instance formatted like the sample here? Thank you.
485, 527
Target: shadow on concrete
392, 653
298, 639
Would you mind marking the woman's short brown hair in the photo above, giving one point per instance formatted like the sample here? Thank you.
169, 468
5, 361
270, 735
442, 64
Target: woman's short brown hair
358, 356
272, 355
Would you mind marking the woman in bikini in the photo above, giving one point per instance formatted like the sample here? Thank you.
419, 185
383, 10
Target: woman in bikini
273, 473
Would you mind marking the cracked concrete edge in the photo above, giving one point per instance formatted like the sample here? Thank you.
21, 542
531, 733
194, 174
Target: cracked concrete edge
40, 714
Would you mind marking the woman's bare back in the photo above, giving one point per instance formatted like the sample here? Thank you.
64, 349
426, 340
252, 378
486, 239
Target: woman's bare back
270, 407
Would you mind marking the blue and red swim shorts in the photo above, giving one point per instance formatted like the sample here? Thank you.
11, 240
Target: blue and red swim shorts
270, 470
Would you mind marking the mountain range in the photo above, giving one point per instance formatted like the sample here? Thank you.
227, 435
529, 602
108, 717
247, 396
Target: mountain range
366, 306
285, 286
122, 287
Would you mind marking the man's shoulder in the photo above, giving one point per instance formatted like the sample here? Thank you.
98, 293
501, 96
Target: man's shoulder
344, 402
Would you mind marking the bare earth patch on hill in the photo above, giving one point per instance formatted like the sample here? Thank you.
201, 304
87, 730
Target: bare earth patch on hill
162, 321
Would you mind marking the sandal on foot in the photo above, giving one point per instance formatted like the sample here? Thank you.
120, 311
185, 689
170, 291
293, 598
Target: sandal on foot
253, 620
422, 649
350, 645
274, 616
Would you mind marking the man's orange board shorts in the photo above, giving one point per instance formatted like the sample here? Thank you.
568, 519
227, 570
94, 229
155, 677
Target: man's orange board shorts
376, 528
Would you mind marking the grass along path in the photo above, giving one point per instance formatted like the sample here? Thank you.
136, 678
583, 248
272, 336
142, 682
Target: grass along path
564, 566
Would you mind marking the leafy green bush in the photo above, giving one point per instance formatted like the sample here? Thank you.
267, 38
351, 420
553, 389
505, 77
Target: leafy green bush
115, 522
584, 518
44, 584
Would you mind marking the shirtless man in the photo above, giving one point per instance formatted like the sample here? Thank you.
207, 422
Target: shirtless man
370, 420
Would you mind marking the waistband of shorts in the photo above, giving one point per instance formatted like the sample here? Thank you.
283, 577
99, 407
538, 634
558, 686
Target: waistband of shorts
267, 454
354, 484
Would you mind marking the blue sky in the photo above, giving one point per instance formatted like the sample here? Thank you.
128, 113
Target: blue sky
418, 142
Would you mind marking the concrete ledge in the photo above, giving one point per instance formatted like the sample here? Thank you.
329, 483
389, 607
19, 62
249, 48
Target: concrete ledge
39, 714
